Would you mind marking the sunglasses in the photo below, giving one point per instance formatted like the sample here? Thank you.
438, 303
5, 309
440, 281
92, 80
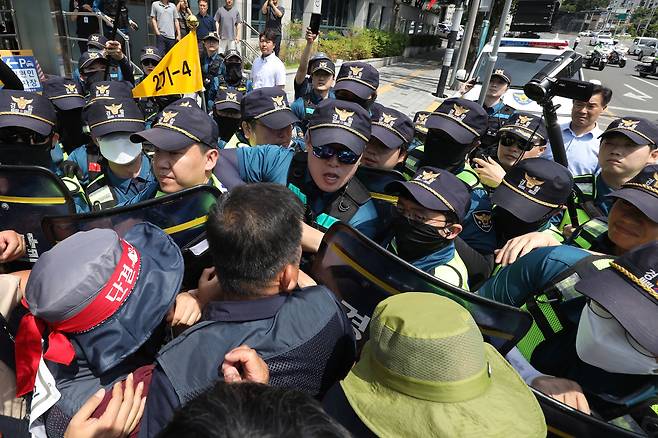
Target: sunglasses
344, 156
512, 140
149, 63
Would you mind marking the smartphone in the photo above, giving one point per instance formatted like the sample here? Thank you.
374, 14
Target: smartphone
315, 23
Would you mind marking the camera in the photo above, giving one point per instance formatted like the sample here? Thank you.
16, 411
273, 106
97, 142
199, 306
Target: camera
553, 80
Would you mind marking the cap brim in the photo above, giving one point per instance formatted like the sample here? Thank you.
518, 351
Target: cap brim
419, 193
507, 407
28, 122
503, 77
227, 106
523, 133
645, 202
525, 208
68, 103
450, 127
163, 138
151, 57
116, 126
328, 70
633, 309
278, 119
360, 90
635, 138
386, 136
337, 135
160, 279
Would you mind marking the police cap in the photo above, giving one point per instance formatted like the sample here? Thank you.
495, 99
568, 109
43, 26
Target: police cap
360, 78
64, 93
462, 119
340, 122
640, 131
642, 192
268, 105
28, 110
393, 128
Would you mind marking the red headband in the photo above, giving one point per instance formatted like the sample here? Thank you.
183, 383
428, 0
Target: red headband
108, 300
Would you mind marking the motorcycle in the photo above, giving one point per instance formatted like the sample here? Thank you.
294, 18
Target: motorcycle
647, 66
597, 57
617, 57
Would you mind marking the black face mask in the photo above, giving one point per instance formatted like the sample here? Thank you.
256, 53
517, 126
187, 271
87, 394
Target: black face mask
227, 127
92, 79
415, 240
444, 152
70, 128
233, 73
508, 226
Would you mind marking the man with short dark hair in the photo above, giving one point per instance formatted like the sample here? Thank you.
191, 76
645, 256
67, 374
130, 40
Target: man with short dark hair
254, 234
229, 26
274, 13
267, 69
164, 19
581, 134
206, 22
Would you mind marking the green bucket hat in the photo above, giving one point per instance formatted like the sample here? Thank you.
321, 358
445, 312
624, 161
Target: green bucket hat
426, 371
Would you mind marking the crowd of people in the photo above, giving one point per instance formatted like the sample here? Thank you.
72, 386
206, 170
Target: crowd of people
100, 338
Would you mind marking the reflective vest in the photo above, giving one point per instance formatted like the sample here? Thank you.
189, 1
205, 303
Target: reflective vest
223, 85
411, 165
236, 142
589, 232
343, 207
453, 272
585, 190
546, 307
495, 122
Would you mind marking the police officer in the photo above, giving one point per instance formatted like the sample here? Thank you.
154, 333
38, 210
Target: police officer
149, 59
227, 114
93, 66
430, 209
357, 82
523, 136
454, 129
322, 81
323, 176
125, 175
211, 66
231, 75
392, 132
303, 75
185, 142
266, 119
66, 96
420, 130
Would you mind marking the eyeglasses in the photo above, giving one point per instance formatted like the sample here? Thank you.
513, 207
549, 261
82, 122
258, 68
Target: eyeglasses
513, 140
344, 156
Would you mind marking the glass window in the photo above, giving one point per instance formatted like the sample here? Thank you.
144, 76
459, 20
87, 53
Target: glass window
522, 65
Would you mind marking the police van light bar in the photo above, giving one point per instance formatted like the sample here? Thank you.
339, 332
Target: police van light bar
550, 44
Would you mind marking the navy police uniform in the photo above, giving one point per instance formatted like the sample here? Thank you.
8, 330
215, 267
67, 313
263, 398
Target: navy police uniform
304, 106
227, 114
498, 115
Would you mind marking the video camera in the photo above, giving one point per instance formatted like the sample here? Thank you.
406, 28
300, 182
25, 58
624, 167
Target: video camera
553, 80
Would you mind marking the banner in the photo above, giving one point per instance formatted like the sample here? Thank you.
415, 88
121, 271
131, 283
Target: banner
179, 72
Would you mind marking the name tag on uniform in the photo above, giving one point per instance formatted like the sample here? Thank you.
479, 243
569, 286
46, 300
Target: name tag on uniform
85, 20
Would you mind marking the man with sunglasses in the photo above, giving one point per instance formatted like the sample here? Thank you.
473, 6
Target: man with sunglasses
523, 136
323, 176
430, 209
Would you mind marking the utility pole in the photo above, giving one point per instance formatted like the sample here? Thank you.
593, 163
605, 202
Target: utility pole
450, 49
474, 6
493, 56
649, 23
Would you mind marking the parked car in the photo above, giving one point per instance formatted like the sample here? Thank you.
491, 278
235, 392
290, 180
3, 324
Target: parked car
643, 47
444, 30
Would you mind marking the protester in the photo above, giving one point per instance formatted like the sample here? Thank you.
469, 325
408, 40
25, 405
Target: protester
84, 25
581, 134
184, 12
267, 69
164, 21
274, 13
426, 371
229, 26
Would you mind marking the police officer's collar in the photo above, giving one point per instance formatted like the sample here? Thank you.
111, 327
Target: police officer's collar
244, 311
438, 258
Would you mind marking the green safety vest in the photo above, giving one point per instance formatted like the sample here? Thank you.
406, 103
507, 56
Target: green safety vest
546, 306
585, 190
453, 272
588, 233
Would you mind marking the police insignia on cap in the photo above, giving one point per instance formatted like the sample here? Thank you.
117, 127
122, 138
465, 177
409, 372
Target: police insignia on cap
500, 71
114, 110
630, 124
150, 51
458, 112
94, 38
21, 105
422, 119
523, 120
185, 104
233, 97
387, 119
94, 55
278, 102
323, 64
102, 91
355, 72
483, 220
530, 184
342, 117
71, 88
428, 177
168, 117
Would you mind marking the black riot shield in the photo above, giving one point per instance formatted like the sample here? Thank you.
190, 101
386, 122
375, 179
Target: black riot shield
182, 215
563, 421
27, 194
361, 274
226, 169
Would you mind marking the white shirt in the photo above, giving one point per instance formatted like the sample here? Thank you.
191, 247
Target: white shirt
268, 72
582, 150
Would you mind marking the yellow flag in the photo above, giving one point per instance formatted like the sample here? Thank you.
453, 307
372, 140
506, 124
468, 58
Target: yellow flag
179, 72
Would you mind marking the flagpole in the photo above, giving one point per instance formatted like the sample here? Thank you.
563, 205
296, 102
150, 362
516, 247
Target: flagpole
192, 24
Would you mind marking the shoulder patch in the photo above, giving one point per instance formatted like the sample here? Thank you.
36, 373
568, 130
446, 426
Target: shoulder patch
482, 219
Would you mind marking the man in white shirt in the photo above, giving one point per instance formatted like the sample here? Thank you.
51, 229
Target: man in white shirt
268, 70
581, 135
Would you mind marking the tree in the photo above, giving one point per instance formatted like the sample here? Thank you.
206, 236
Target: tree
583, 5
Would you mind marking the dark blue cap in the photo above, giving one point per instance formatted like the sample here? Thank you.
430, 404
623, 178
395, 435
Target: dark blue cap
503, 74
360, 78
179, 125
340, 122
461, 119
390, 126
152, 53
642, 192
640, 131
533, 188
110, 90
96, 41
228, 99
527, 126
64, 93
87, 58
435, 189
116, 115
26, 109
268, 105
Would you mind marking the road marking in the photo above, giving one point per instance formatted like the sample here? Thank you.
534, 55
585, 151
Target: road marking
646, 82
639, 96
632, 110
388, 87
